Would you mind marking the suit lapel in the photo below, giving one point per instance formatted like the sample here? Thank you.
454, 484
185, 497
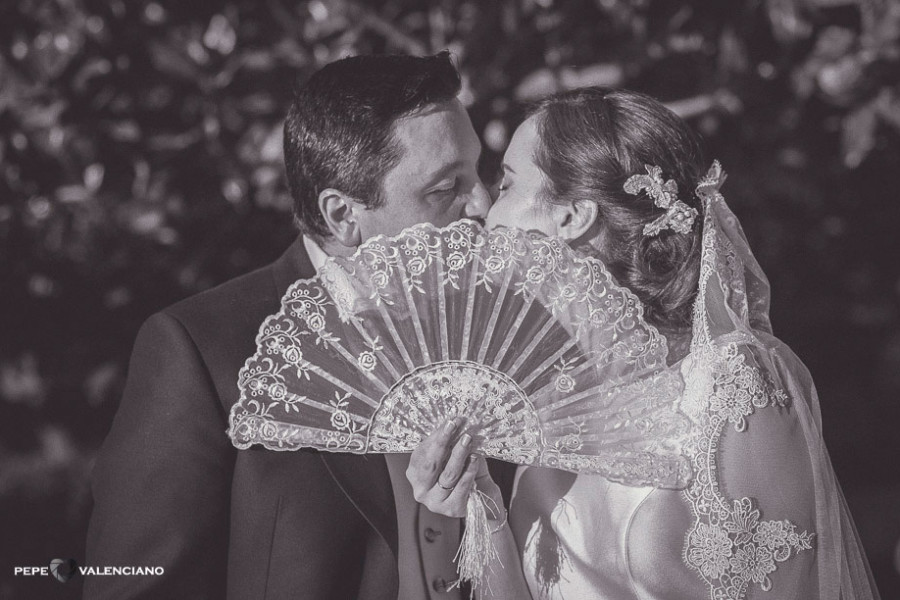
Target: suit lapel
366, 482
364, 479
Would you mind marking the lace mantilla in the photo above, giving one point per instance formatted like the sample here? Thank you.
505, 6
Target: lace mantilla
729, 544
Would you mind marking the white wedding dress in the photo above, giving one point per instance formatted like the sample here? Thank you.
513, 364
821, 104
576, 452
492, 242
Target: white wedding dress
763, 516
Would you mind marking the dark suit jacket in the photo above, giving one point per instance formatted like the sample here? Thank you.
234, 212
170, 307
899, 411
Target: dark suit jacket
170, 490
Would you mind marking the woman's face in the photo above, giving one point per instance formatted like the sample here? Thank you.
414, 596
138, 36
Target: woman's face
518, 203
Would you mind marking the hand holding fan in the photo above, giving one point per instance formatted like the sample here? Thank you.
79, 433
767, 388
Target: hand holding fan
548, 359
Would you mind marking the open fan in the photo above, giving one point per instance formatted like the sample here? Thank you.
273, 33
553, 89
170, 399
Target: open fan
546, 357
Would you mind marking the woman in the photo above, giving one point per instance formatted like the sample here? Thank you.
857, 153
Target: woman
614, 174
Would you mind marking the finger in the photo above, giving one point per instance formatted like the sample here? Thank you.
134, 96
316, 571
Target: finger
427, 461
444, 434
459, 497
455, 464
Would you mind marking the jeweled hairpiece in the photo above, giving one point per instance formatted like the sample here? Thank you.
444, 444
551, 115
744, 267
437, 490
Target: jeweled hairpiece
679, 216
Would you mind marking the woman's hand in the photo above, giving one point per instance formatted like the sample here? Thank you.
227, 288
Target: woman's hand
443, 472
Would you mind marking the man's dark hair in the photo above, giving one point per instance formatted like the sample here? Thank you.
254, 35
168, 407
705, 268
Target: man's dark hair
339, 131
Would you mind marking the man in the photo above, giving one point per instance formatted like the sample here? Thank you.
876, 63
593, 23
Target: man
372, 145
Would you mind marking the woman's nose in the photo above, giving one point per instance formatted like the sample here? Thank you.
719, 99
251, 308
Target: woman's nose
479, 203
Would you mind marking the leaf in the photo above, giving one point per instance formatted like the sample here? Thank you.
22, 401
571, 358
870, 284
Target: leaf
882, 30
602, 74
93, 177
43, 117
100, 381
788, 23
125, 131
21, 382
170, 61
833, 3
220, 35
888, 107
175, 141
272, 149
536, 85
257, 60
858, 134
834, 42
146, 221
68, 194
95, 67
732, 52
53, 49
839, 81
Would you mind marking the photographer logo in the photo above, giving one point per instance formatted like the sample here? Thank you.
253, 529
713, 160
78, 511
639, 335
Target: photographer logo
63, 568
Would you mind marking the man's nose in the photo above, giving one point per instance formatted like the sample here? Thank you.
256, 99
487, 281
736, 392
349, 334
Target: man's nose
479, 203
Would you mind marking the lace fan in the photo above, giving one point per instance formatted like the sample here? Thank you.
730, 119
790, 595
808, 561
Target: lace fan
546, 357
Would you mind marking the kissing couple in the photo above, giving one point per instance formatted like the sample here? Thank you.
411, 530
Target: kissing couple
699, 472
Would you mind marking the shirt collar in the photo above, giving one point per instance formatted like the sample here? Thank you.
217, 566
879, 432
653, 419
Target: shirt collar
317, 256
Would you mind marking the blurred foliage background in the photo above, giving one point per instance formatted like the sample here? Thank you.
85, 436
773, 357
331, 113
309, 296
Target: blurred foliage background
140, 162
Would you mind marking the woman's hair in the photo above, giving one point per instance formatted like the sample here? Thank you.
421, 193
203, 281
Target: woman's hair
591, 140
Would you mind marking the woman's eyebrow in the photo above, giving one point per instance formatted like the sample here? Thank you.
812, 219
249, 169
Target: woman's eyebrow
506, 167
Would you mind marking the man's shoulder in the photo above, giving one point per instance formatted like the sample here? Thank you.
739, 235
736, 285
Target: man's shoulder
232, 310
221, 302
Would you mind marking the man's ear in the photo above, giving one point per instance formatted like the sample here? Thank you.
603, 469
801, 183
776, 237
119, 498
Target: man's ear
576, 219
338, 210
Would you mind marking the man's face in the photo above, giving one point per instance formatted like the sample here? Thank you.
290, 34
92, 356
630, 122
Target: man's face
436, 180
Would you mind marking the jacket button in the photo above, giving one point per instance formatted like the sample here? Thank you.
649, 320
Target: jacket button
431, 534
439, 584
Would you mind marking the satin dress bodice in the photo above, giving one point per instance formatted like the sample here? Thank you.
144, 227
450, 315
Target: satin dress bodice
563, 558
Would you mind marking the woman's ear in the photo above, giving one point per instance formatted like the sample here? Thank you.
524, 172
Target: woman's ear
576, 219
338, 209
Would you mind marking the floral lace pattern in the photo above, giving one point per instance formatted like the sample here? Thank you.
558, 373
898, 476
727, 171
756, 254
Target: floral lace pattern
729, 544
496, 408
547, 357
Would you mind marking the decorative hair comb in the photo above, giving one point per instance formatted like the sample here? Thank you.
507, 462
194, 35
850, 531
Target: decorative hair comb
679, 216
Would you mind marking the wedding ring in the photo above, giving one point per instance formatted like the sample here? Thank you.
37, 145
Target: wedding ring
443, 487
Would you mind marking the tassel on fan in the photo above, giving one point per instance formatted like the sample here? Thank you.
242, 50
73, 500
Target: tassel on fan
546, 357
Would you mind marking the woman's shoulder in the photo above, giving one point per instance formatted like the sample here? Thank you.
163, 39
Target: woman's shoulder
753, 495
756, 420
